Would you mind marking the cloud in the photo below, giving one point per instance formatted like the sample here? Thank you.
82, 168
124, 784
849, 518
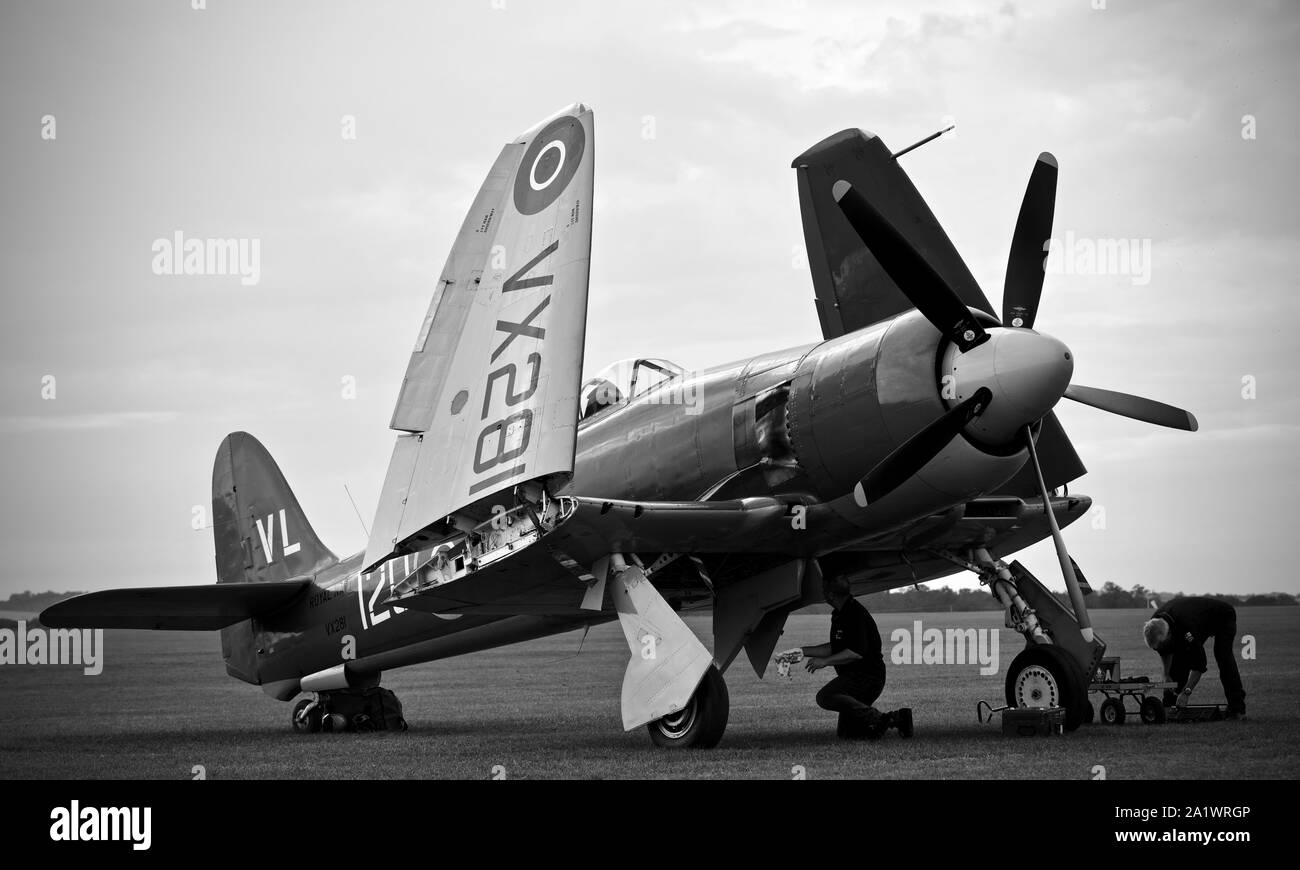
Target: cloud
697, 236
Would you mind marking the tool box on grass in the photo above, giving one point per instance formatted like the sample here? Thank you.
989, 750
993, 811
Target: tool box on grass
1033, 721
1195, 713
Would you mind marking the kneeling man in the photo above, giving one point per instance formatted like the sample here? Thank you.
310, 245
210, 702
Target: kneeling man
854, 652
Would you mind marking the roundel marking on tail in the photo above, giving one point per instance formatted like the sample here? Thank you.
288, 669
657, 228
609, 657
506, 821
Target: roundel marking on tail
549, 164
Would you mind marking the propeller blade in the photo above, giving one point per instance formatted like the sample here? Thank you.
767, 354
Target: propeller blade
1136, 407
1062, 554
1083, 581
913, 274
913, 454
1025, 266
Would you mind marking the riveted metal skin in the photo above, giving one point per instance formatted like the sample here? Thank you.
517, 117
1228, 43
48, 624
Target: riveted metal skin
857, 397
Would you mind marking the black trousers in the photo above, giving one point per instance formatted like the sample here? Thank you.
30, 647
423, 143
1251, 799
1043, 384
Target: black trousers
852, 697
1225, 648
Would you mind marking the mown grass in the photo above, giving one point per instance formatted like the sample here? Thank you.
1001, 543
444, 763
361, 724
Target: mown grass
163, 705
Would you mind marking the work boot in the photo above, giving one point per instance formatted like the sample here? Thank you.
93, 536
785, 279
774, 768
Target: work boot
866, 724
843, 727
902, 720
877, 723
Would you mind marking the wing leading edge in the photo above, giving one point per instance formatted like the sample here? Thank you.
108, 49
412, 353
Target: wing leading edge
545, 570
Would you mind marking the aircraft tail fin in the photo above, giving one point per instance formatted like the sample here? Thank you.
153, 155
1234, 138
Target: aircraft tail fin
260, 530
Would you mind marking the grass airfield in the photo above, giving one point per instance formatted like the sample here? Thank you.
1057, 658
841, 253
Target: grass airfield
543, 710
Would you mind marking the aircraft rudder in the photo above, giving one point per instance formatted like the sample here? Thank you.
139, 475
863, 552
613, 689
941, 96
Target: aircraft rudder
258, 526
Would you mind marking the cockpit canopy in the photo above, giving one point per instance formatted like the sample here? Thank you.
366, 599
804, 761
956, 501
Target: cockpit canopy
619, 382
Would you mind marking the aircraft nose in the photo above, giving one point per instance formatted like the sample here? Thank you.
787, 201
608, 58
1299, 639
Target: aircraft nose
1026, 371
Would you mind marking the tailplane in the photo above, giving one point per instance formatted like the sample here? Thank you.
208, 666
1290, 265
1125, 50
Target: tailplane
262, 538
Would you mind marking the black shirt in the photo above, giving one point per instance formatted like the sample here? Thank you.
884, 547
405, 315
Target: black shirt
853, 628
1192, 621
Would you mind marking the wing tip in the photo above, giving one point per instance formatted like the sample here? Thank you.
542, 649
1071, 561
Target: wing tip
61, 614
572, 110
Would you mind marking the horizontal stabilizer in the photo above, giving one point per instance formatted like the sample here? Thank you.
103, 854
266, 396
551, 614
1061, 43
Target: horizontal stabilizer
173, 608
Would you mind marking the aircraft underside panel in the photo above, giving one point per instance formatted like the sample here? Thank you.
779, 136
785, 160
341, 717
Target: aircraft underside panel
514, 568
549, 566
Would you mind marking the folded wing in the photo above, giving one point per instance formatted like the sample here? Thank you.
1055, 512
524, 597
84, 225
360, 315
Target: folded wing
490, 398
852, 288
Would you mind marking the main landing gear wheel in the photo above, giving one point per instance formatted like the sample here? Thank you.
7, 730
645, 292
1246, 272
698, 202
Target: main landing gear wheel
306, 716
701, 722
1046, 676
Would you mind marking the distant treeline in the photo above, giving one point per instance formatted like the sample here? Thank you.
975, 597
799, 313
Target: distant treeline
1110, 596
34, 602
926, 600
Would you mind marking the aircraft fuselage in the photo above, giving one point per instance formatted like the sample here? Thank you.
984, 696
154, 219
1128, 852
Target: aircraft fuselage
810, 420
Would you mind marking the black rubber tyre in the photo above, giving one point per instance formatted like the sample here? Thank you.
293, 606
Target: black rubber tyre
1043, 675
306, 722
1153, 711
1089, 713
1112, 711
699, 725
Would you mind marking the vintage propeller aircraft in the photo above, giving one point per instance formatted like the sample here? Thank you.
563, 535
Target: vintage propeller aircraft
917, 438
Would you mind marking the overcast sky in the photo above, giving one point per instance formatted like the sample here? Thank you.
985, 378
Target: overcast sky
228, 122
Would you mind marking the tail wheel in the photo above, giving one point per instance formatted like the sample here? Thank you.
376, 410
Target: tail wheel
701, 722
306, 716
1046, 676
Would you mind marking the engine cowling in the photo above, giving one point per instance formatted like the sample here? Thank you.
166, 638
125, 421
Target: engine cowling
855, 399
